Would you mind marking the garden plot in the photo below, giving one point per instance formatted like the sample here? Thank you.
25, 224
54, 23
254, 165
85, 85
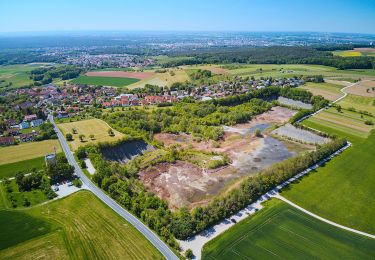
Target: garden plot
301, 135
294, 103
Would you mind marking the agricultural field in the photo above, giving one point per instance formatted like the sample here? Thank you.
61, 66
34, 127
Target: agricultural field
327, 90
348, 53
26, 151
342, 190
281, 231
95, 127
359, 103
79, 226
289, 70
104, 81
10, 169
348, 121
163, 79
364, 88
356, 52
17, 74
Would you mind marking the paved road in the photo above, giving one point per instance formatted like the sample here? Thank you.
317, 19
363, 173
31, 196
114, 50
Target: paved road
154, 239
323, 219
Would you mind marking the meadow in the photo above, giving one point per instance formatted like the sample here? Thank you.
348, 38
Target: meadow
17, 74
26, 151
104, 81
35, 197
281, 231
76, 227
359, 103
87, 127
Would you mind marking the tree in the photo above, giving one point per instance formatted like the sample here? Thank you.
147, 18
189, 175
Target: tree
338, 108
69, 137
81, 137
110, 132
189, 254
74, 130
258, 133
92, 137
83, 165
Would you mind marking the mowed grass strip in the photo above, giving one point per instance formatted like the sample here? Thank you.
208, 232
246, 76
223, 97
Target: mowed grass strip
104, 81
97, 127
342, 190
25, 151
10, 169
327, 90
281, 231
76, 227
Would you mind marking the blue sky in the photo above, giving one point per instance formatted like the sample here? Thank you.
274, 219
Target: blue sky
356, 16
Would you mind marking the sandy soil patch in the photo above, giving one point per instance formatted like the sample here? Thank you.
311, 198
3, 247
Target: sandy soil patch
363, 88
121, 74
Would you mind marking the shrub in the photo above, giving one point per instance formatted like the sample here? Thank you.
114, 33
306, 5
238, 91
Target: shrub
69, 137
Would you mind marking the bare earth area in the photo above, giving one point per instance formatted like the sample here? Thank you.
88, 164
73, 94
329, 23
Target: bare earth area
120, 74
186, 184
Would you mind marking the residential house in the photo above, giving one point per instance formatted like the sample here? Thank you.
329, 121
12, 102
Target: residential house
13, 131
28, 137
7, 140
30, 118
36, 123
24, 125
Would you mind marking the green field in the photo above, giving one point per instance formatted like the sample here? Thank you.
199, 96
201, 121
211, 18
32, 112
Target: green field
359, 103
104, 81
280, 231
26, 151
76, 227
17, 74
10, 169
342, 190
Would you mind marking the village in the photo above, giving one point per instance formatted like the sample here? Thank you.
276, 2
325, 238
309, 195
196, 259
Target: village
71, 100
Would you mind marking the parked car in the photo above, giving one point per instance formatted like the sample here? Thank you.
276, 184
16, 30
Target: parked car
233, 220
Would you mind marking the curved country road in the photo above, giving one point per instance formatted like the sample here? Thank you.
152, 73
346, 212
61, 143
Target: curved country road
153, 238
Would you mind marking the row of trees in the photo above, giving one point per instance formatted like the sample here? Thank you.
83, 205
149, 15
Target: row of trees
42, 76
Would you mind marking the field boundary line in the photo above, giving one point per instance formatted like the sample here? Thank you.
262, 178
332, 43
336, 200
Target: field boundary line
323, 219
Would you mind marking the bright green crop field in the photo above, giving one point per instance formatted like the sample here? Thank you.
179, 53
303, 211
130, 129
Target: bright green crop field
342, 190
280, 231
76, 227
104, 81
